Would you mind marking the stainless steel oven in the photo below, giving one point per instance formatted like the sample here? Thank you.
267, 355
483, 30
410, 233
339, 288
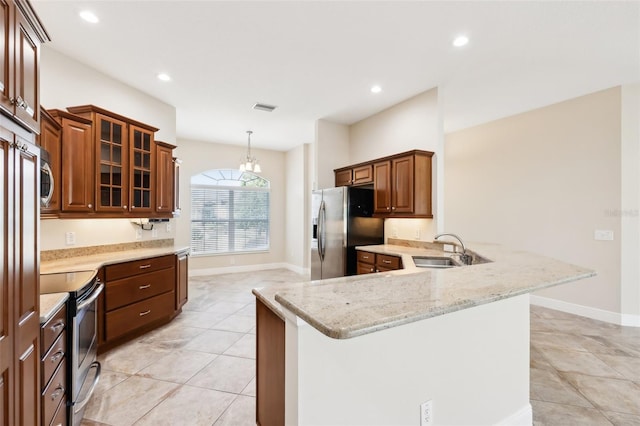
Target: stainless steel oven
47, 183
84, 369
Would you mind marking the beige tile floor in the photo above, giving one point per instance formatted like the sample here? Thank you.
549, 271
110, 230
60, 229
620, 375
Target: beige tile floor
583, 372
200, 369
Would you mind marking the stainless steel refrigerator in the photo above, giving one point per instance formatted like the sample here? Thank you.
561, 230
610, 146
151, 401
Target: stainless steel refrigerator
341, 221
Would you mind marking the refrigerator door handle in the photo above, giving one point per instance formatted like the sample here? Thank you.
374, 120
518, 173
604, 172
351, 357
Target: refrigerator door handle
321, 223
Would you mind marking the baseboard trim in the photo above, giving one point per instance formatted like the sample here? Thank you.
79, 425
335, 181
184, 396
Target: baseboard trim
522, 417
587, 311
246, 268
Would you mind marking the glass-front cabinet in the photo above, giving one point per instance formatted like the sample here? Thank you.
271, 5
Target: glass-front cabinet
112, 151
142, 178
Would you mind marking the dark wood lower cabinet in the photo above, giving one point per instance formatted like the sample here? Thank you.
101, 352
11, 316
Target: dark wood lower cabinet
270, 340
139, 296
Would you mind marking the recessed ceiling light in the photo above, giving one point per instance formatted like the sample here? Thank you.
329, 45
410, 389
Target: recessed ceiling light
164, 77
89, 16
376, 89
460, 41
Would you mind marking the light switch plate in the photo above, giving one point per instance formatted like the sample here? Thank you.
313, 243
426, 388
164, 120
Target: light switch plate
70, 238
603, 235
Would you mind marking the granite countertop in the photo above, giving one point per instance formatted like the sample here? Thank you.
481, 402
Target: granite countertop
347, 307
50, 303
96, 261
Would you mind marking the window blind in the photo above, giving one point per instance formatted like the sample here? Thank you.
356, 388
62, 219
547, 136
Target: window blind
227, 220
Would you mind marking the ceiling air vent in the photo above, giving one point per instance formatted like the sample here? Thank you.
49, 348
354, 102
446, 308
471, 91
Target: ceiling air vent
264, 107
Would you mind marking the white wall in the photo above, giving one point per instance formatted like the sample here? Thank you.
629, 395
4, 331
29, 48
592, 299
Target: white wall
330, 151
472, 364
630, 206
297, 208
544, 181
198, 157
415, 123
65, 82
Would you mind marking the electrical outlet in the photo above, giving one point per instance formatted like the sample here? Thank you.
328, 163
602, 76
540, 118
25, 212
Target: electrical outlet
426, 413
417, 234
603, 235
394, 232
449, 248
168, 227
138, 233
154, 233
70, 238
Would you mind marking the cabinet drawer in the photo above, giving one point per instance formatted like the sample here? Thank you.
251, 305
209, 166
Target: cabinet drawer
60, 418
365, 268
385, 262
128, 269
366, 257
53, 394
133, 289
51, 329
123, 320
53, 358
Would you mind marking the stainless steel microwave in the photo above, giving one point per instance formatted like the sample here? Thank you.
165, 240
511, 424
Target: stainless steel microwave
47, 182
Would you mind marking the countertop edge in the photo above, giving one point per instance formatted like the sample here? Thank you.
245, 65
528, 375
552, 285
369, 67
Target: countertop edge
350, 332
96, 261
49, 305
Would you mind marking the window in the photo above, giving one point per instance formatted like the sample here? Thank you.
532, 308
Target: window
229, 212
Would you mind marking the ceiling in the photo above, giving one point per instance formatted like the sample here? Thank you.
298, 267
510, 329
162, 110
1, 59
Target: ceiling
319, 59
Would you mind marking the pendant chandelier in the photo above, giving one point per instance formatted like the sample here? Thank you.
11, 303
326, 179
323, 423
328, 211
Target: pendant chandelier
250, 164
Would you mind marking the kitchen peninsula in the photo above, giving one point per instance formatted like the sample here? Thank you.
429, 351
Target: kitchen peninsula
370, 349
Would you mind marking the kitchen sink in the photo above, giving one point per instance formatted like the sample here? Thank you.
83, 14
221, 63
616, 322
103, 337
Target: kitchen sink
434, 262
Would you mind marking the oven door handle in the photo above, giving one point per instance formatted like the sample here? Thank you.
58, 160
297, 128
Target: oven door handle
91, 298
78, 406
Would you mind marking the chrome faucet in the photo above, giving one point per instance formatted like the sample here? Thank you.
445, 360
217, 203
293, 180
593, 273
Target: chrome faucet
464, 257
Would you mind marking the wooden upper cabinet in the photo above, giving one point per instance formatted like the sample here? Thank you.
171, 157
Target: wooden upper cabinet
343, 177
22, 35
50, 140
112, 150
27, 86
402, 184
164, 178
382, 187
177, 163
77, 168
354, 175
125, 163
142, 167
6, 56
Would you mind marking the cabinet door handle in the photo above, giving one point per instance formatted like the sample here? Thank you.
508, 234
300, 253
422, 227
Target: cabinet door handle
124, 207
142, 287
56, 326
59, 391
145, 313
388, 262
388, 208
145, 266
90, 206
55, 357
393, 208
365, 257
371, 270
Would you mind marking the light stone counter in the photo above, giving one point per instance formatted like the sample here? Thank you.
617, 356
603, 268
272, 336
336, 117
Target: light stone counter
347, 307
50, 303
94, 262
